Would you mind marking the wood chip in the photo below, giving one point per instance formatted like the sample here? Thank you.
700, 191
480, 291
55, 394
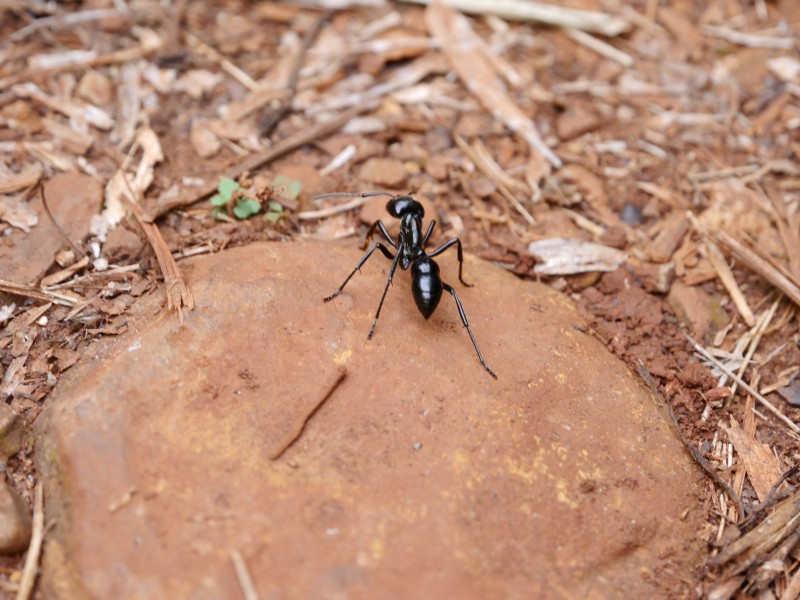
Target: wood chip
17, 213
69, 107
763, 469
566, 256
669, 238
65, 274
729, 281
26, 178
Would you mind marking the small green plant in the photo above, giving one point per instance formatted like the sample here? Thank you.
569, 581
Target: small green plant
285, 188
275, 211
230, 191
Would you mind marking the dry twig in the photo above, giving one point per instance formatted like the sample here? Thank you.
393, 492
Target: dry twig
302, 419
644, 373
243, 574
31, 567
764, 402
461, 45
480, 156
754, 259
550, 14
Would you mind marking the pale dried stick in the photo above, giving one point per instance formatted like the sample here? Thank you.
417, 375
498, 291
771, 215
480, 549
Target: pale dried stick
243, 574
178, 294
28, 291
764, 402
723, 271
726, 277
527, 10
751, 40
478, 154
31, 567
226, 65
775, 274
63, 21
758, 332
602, 48
149, 44
461, 46
333, 210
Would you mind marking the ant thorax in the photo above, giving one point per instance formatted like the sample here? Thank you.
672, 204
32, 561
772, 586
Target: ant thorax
410, 239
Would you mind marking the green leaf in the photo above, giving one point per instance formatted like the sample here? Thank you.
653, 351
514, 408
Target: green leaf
227, 187
217, 200
246, 207
273, 217
275, 206
290, 188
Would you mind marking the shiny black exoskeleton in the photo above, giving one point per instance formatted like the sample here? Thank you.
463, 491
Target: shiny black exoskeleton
426, 284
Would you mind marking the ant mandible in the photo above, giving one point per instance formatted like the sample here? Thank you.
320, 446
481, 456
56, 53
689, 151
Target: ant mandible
426, 284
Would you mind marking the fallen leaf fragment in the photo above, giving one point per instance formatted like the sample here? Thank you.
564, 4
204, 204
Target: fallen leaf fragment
17, 213
27, 177
762, 467
70, 107
568, 256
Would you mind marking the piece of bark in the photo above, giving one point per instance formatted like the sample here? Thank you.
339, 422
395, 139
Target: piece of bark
669, 238
654, 277
762, 467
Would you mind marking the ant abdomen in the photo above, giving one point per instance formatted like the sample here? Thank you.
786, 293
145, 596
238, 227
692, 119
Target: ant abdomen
426, 285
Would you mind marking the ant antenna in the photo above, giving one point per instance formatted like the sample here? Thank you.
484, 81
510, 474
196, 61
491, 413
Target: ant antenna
352, 195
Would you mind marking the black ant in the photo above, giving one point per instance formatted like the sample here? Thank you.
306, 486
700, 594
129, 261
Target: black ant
426, 284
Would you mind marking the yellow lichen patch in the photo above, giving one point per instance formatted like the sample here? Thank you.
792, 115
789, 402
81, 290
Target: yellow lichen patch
561, 451
561, 494
528, 475
594, 473
561, 378
342, 357
377, 548
460, 459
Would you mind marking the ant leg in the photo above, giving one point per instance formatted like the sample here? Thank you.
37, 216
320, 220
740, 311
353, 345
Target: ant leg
379, 225
428, 234
377, 246
444, 247
463, 316
386, 289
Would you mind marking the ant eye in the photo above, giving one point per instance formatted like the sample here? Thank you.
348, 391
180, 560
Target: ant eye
391, 208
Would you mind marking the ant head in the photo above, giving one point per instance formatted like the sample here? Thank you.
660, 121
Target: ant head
401, 205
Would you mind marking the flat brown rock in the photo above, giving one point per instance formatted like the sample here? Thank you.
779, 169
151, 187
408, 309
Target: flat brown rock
419, 477
72, 198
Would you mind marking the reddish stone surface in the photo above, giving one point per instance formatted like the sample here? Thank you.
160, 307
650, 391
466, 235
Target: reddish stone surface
420, 476
72, 198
